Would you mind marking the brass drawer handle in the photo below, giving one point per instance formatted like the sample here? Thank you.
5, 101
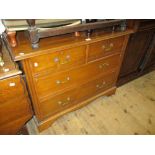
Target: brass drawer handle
67, 59
99, 86
36, 64
1, 62
12, 84
111, 45
6, 69
62, 82
103, 65
63, 103
64, 62
56, 60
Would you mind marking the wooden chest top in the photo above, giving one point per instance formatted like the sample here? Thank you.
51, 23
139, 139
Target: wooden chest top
23, 50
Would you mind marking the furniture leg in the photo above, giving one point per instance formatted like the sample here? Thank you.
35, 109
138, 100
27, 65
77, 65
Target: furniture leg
33, 32
12, 38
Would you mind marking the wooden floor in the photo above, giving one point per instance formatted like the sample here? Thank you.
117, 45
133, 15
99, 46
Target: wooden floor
130, 111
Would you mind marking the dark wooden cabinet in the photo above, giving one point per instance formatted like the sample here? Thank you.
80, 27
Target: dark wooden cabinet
140, 53
149, 59
135, 52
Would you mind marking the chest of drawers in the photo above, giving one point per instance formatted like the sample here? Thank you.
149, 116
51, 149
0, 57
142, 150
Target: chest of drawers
66, 75
15, 108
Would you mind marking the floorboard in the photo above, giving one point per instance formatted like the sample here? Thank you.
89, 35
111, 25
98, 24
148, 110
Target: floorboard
131, 111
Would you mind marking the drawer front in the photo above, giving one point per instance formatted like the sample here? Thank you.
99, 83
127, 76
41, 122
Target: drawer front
102, 66
57, 103
47, 85
10, 88
14, 109
60, 60
104, 48
63, 101
96, 86
50, 84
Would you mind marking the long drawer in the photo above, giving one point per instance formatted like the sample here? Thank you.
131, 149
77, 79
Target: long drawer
60, 60
50, 84
61, 102
10, 88
106, 47
96, 86
58, 103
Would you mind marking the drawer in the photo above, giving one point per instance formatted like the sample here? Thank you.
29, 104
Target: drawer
11, 88
104, 48
65, 100
50, 84
102, 66
97, 86
58, 103
59, 60
14, 109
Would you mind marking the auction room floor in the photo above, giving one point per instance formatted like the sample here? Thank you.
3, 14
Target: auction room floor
130, 111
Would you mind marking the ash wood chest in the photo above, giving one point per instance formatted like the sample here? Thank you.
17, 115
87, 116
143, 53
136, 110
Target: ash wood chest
67, 72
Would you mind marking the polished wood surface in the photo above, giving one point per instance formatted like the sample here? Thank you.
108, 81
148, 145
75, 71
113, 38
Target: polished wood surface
15, 108
10, 88
149, 59
60, 102
52, 83
145, 24
131, 111
96, 86
135, 52
55, 84
104, 48
47, 122
14, 127
59, 60
59, 43
139, 54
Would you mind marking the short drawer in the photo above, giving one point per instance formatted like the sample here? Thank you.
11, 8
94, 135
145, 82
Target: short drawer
11, 88
97, 86
57, 103
14, 109
59, 60
52, 83
104, 48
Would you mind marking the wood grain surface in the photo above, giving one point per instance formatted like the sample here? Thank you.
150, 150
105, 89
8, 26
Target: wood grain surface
130, 111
